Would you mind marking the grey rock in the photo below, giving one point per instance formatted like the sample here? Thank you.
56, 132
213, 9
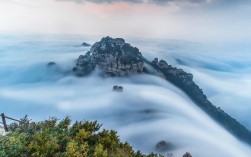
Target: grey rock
113, 57
117, 88
164, 146
53, 67
162, 64
155, 61
85, 44
187, 155
51, 64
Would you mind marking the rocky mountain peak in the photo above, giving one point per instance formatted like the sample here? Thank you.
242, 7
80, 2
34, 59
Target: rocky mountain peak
114, 57
117, 47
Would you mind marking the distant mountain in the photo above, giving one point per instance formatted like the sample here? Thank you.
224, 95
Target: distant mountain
115, 57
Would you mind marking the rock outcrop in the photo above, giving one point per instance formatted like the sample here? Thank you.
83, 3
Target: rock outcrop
115, 57
51, 64
163, 146
85, 44
187, 155
53, 67
117, 88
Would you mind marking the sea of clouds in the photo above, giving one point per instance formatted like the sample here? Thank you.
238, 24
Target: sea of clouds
149, 110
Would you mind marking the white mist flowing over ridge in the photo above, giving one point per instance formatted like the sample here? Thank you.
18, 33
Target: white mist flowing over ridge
151, 111
222, 70
148, 111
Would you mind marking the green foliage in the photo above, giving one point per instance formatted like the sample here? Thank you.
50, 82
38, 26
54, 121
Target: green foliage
51, 138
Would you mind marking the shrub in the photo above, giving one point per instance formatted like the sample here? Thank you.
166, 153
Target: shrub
53, 138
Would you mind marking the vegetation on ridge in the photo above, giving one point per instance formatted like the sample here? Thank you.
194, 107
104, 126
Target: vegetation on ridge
53, 138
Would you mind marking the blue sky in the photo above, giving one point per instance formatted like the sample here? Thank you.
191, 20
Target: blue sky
214, 20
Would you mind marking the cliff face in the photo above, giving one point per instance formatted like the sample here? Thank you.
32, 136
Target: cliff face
114, 57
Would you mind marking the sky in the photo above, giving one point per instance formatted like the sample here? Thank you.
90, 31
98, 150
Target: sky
213, 20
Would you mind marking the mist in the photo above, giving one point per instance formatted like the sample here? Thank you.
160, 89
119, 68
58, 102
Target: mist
208, 38
149, 110
214, 21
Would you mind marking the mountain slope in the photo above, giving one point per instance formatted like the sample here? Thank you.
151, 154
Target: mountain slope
115, 57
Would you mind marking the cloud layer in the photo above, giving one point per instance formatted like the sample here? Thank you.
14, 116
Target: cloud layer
149, 106
141, 1
165, 2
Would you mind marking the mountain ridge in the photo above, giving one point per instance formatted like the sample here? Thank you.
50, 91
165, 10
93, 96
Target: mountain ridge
115, 57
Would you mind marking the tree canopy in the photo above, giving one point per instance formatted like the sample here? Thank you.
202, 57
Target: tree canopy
53, 138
